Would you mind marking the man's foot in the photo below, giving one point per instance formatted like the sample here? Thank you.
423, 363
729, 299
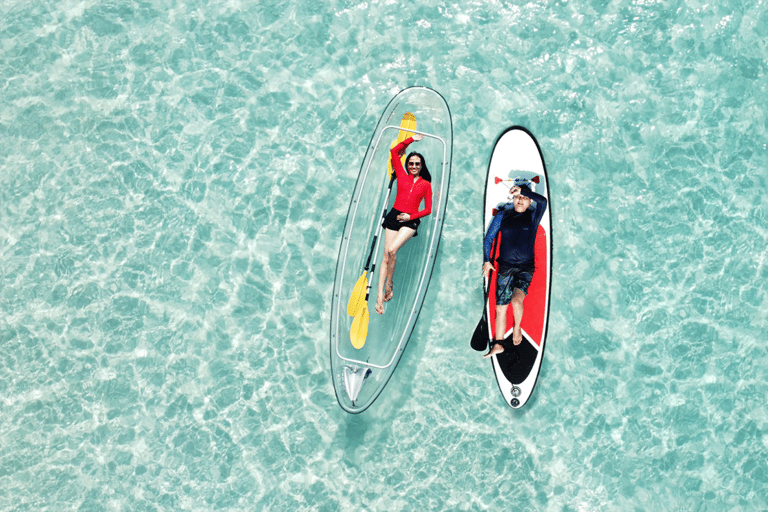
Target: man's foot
497, 348
380, 305
388, 293
517, 336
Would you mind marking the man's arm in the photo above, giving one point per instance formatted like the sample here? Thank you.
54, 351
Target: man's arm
541, 204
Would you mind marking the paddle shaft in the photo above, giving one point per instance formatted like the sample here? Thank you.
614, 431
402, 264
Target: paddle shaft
360, 323
481, 336
490, 276
378, 232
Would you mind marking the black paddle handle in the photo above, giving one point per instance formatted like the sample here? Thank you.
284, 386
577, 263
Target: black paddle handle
370, 253
368, 290
492, 260
490, 276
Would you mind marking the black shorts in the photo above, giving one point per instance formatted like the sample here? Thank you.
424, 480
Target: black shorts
391, 222
510, 278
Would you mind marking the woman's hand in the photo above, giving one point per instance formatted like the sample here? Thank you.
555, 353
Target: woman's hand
487, 267
403, 217
514, 191
417, 137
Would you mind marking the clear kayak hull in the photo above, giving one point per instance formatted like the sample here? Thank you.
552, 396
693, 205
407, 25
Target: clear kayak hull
360, 374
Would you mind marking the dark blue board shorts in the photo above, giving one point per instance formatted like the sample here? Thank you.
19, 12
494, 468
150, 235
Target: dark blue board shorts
510, 278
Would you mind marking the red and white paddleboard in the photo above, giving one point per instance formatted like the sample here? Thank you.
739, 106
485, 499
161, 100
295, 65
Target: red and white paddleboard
516, 154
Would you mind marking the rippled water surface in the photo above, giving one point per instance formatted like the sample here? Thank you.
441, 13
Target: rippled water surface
174, 180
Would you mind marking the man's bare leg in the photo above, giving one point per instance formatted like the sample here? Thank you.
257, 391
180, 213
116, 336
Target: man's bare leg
501, 328
517, 312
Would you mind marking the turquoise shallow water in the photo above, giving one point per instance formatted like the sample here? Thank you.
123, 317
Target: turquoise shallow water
174, 180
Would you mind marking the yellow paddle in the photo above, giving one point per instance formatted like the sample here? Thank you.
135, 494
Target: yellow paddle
408, 123
359, 331
358, 299
355, 303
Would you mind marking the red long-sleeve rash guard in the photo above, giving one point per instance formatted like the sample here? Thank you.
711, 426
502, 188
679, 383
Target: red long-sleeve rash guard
409, 191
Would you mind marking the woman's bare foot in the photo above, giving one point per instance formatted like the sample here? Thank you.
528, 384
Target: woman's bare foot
497, 348
380, 305
517, 335
388, 293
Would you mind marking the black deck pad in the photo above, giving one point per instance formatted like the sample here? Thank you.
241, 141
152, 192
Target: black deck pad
517, 360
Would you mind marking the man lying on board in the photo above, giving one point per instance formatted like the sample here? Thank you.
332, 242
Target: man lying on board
517, 227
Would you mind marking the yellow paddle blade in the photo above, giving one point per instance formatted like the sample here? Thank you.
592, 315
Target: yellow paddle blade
359, 330
408, 123
357, 299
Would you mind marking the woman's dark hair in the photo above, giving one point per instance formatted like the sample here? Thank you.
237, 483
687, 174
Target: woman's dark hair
424, 173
